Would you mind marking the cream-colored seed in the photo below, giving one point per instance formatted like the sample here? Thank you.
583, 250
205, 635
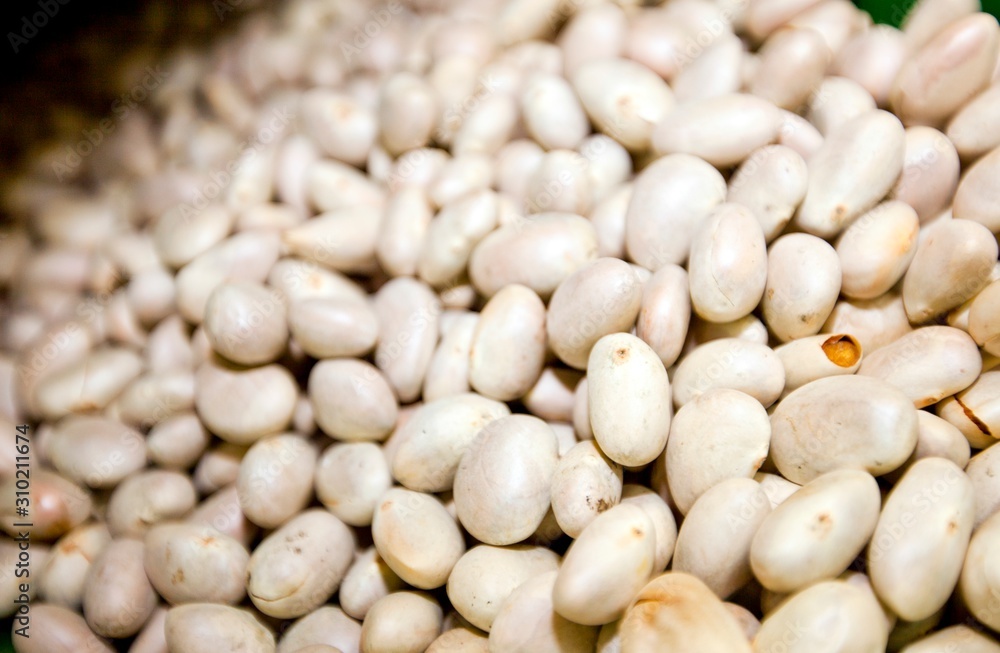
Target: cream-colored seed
187, 563
486, 575
350, 479
403, 621
713, 544
207, 627
296, 568
352, 400
718, 435
527, 622
275, 479
803, 282
678, 610
511, 322
921, 538
328, 626
727, 265
502, 484
416, 537
817, 532
585, 483
629, 399
842, 422
246, 323
117, 595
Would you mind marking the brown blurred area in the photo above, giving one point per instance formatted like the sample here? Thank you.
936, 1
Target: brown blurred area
65, 76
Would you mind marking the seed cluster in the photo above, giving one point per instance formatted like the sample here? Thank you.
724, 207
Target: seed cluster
518, 326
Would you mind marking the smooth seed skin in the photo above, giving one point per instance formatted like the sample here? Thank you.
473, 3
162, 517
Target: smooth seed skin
974, 130
416, 537
977, 196
842, 422
209, 628
585, 483
405, 621
840, 189
333, 328
460, 640
961, 638
915, 559
927, 364
448, 373
732, 363
368, 580
246, 256
454, 233
803, 282
719, 435
246, 322
713, 544
350, 479
551, 398
872, 58
117, 595
188, 563
60, 630
982, 472
527, 622
275, 480
511, 322
937, 437
408, 314
601, 298
328, 626
837, 100
88, 384
296, 568
664, 524
352, 400
624, 99
94, 451
930, 172
953, 262
980, 582
539, 253
790, 67
831, 616
948, 71
665, 313
503, 483
64, 574
606, 565
771, 183
677, 611
697, 127
486, 575
876, 250
816, 357
243, 405
629, 399
984, 322
178, 238
817, 532
147, 498
552, 114
404, 225
727, 265
670, 198
431, 444
177, 442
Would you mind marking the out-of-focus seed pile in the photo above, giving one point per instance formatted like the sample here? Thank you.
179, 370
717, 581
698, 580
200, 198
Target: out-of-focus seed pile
519, 326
